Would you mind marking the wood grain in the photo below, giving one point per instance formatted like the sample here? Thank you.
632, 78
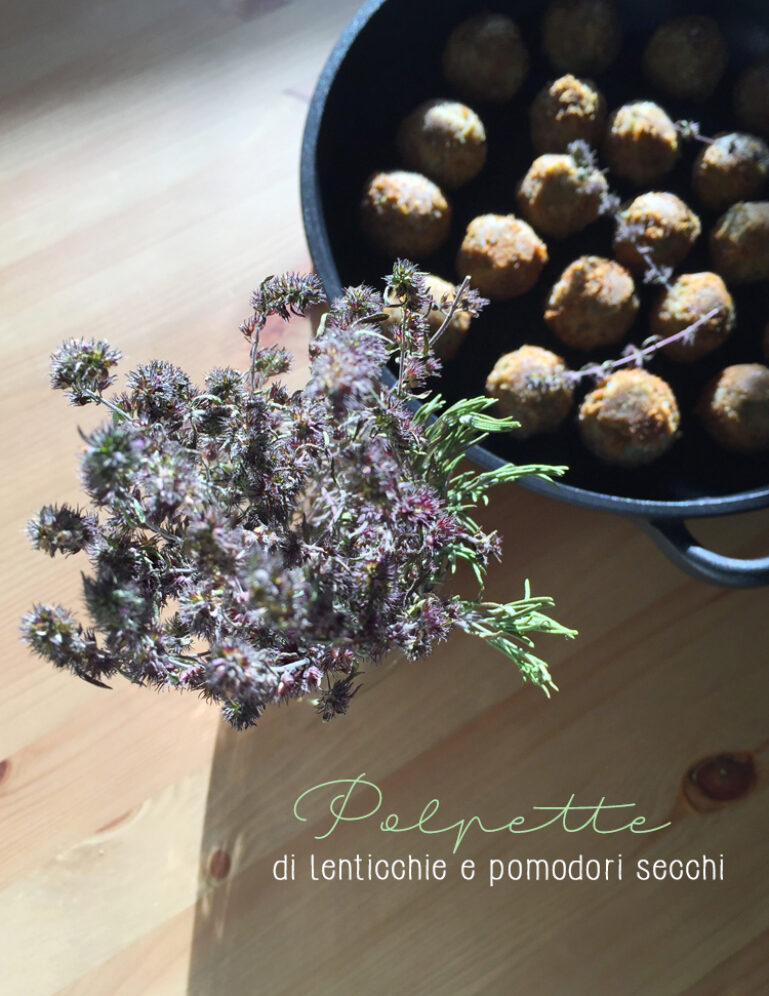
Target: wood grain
149, 178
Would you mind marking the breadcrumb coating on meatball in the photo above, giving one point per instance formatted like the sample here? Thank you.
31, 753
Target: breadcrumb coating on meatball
641, 143
592, 304
689, 299
485, 58
445, 140
404, 214
630, 419
686, 57
502, 255
733, 167
558, 197
567, 110
581, 36
751, 97
734, 408
455, 332
530, 385
658, 225
739, 243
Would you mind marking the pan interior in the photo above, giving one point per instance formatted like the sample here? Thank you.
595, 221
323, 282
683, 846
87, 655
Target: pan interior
392, 64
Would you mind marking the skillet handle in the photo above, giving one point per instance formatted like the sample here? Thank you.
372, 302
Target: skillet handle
678, 544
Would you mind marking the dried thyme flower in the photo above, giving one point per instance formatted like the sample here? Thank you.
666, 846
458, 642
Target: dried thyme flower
258, 545
82, 368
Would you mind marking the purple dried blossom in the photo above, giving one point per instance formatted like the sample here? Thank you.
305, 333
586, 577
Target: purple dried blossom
583, 154
286, 295
691, 131
225, 383
52, 632
82, 368
62, 529
159, 392
406, 285
238, 672
346, 366
335, 700
358, 304
259, 545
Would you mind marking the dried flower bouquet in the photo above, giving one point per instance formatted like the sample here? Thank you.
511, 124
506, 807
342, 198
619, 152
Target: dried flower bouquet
256, 545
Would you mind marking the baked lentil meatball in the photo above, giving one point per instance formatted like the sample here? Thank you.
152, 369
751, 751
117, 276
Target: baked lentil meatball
630, 419
686, 57
444, 140
404, 214
641, 143
581, 36
734, 408
688, 299
592, 304
530, 385
751, 97
733, 167
485, 58
567, 110
454, 334
502, 255
656, 227
558, 197
739, 243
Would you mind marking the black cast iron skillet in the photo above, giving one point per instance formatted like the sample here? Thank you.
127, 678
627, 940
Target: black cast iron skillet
387, 61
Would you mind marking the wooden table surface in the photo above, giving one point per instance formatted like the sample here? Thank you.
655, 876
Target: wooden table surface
149, 181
